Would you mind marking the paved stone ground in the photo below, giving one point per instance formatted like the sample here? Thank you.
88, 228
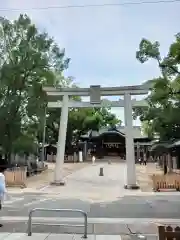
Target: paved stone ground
144, 176
114, 174
22, 236
87, 184
143, 173
42, 180
101, 197
50, 236
148, 206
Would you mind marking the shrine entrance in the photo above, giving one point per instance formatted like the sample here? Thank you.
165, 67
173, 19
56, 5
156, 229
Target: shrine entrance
95, 93
112, 149
113, 144
110, 143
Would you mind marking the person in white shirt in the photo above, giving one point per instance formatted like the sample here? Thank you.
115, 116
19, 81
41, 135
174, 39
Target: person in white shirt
3, 189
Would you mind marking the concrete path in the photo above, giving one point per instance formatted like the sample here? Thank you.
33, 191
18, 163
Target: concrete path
49, 236
97, 226
86, 184
144, 176
39, 181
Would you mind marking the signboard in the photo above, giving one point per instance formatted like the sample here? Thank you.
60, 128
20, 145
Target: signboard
95, 94
112, 145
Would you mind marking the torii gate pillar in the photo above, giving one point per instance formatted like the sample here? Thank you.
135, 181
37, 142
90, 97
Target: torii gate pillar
58, 178
130, 155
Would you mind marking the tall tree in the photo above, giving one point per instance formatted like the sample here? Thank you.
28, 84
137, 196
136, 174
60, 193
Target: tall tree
162, 115
28, 59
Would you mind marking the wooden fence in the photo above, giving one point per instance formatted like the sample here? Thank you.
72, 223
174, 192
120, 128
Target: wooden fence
16, 177
168, 233
168, 181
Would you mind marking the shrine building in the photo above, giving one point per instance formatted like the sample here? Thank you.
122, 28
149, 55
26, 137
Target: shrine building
111, 142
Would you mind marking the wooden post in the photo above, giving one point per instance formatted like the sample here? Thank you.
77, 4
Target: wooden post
164, 164
167, 233
161, 232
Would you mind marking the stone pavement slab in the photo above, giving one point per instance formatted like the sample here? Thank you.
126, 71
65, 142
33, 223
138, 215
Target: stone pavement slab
148, 237
49, 236
86, 184
150, 206
95, 226
144, 175
41, 181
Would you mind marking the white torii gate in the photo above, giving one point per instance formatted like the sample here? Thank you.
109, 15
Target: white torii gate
127, 103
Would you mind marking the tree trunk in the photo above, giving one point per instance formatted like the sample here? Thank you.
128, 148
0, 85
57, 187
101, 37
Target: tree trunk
169, 159
165, 164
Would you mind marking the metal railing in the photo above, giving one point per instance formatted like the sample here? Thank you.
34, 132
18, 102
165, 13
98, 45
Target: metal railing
84, 214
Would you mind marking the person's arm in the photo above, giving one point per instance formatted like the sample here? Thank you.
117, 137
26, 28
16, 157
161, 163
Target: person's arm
4, 181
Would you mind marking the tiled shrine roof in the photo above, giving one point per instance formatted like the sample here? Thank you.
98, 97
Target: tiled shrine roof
137, 133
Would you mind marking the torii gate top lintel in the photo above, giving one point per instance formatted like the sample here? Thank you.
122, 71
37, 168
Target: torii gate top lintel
104, 91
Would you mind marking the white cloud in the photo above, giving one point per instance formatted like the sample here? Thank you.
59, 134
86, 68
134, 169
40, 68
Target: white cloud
102, 41
106, 37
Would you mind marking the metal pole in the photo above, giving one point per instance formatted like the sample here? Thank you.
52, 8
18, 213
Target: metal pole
85, 224
44, 136
29, 228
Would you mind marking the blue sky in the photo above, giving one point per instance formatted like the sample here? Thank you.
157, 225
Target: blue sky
102, 41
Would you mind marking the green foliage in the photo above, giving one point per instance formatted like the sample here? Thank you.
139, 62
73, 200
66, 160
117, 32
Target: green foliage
80, 121
25, 144
148, 50
163, 114
28, 60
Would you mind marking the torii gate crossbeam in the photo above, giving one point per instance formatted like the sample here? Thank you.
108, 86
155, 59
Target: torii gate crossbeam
104, 103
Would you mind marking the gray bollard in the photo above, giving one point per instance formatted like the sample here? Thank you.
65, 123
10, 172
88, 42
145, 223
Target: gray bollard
101, 172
